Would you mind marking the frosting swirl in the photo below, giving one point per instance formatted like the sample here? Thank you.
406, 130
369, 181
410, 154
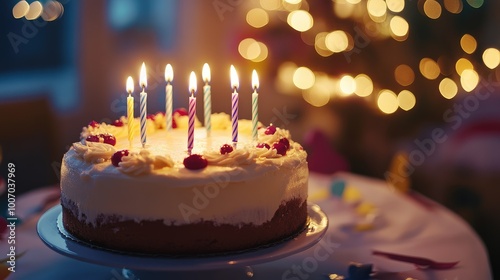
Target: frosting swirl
94, 152
234, 158
143, 163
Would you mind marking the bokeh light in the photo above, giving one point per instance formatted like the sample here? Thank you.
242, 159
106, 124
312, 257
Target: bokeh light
448, 88
399, 26
52, 10
303, 78
319, 94
270, 5
406, 100
387, 101
463, 64
376, 8
429, 68
35, 10
347, 85
395, 6
344, 8
257, 18
364, 85
404, 75
300, 20
491, 58
253, 50
468, 43
475, 3
432, 9
469, 80
293, 2
320, 44
20, 9
336, 41
453, 6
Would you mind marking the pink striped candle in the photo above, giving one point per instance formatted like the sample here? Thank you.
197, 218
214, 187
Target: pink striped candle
191, 111
234, 105
143, 104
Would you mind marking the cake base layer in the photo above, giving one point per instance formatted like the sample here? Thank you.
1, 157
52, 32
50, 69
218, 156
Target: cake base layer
206, 237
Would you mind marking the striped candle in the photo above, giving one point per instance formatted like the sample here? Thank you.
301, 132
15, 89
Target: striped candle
130, 109
255, 105
169, 77
143, 104
207, 98
234, 105
191, 111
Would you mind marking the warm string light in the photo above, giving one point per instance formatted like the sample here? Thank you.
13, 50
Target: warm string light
49, 11
386, 19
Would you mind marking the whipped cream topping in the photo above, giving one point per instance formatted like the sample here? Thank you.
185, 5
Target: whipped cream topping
143, 163
94, 152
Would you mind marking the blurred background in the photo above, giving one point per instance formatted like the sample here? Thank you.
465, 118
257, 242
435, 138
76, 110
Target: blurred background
365, 85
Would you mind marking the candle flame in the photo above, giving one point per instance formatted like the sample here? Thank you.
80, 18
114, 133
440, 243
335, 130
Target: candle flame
169, 73
130, 85
192, 83
255, 80
143, 81
205, 73
235, 83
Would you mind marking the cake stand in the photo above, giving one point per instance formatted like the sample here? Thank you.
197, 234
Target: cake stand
136, 266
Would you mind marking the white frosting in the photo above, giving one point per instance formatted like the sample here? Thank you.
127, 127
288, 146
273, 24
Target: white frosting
94, 152
245, 186
143, 163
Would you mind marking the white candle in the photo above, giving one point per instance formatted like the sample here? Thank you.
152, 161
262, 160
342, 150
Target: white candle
234, 105
130, 109
169, 77
143, 103
191, 111
207, 98
255, 104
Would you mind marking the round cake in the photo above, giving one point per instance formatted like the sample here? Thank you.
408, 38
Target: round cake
158, 199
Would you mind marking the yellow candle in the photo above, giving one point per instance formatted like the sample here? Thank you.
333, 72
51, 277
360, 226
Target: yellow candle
130, 109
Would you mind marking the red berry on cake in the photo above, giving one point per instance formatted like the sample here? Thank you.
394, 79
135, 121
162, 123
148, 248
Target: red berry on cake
92, 138
151, 117
102, 138
180, 112
116, 158
117, 123
195, 162
226, 149
93, 124
280, 148
285, 142
270, 130
108, 139
263, 145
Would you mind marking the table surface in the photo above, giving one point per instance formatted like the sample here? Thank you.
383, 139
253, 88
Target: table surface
401, 225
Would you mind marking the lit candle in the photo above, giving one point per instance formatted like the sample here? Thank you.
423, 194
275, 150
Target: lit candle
169, 77
143, 103
234, 104
255, 104
191, 111
207, 98
130, 109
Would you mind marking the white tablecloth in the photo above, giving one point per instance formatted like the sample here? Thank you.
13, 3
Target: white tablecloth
402, 226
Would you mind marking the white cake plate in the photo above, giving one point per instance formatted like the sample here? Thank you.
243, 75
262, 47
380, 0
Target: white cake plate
57, 239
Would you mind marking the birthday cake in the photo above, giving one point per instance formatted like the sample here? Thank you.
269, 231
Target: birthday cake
157, 199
